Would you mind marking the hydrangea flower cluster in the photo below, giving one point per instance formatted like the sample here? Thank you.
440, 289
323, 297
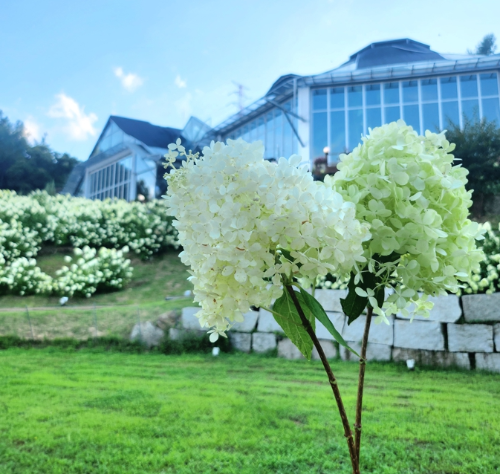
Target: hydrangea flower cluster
17, 241
246, 224
22, 277
93, 271
407, 188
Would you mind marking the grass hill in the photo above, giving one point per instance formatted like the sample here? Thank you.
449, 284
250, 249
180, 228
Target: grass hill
103, 314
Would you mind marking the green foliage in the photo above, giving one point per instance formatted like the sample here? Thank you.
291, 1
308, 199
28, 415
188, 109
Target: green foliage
71, 412
25, 168
486, 46
317, 310
478, 146
286, 315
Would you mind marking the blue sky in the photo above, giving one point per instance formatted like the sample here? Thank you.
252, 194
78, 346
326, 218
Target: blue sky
65, 66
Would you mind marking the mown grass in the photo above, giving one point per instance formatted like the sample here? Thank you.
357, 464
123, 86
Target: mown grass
92, 412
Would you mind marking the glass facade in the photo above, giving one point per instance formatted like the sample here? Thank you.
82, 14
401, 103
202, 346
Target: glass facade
112, 136
112, 181
274, 130
341, 115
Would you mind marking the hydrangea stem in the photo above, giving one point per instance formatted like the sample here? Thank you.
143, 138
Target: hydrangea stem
361, 381
331, 378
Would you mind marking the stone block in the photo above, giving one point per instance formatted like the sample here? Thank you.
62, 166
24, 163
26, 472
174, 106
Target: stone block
267, 323
263, 341
147, 333
470, 338
176, 334
425, 335
380, 352
188, 318
496, 336
446, 309
490, 362
330, 299
481, 307
248, 324
288, 350
329, 348
241, 341
432, 358
338, 321
379, 333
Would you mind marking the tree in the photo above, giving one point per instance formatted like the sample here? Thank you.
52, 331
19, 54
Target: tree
24, 168
487, 46
478, 145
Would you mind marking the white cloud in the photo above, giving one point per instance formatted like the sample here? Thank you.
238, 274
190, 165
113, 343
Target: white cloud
79, 125
31, 130
179, 82
130, 81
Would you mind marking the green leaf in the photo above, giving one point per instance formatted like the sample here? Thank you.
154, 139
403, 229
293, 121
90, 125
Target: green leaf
317, 310
287, 316
353, 304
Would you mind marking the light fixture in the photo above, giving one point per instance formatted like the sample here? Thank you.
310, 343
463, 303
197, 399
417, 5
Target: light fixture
326, 150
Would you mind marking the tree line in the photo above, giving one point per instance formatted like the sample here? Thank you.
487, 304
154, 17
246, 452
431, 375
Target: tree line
25, 167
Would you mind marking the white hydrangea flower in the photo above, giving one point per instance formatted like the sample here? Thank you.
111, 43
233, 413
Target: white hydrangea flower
234, 211
406, 187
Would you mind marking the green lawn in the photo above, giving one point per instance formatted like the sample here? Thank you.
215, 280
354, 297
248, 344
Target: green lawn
115, 313
93, 412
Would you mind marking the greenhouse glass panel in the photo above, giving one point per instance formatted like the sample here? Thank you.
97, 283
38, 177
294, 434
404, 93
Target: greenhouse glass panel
391, 93
470, 109
319, 99
373, 117
429, 90
278, 130
372, 93
355, 96
491, 110
468, 86
355, 127
320, 133
411, 116
337, 98
410, 91
392, 114
337, 132
448, 88
489, 84
450, 113
430, 115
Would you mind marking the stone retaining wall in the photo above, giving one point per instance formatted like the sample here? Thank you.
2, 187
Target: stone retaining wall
468, 338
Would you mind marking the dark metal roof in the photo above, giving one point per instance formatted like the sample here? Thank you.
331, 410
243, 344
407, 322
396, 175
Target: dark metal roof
393, 52
147, 133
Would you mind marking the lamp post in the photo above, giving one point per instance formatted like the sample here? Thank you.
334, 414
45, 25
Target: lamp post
326, 151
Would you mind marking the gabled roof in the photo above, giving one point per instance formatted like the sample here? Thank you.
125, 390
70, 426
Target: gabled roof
147, 133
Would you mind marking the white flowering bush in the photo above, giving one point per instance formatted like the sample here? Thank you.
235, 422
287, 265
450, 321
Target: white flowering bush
17, 241
248, 225
22, 277
485, 279
413, 196
65, 220
92, 270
